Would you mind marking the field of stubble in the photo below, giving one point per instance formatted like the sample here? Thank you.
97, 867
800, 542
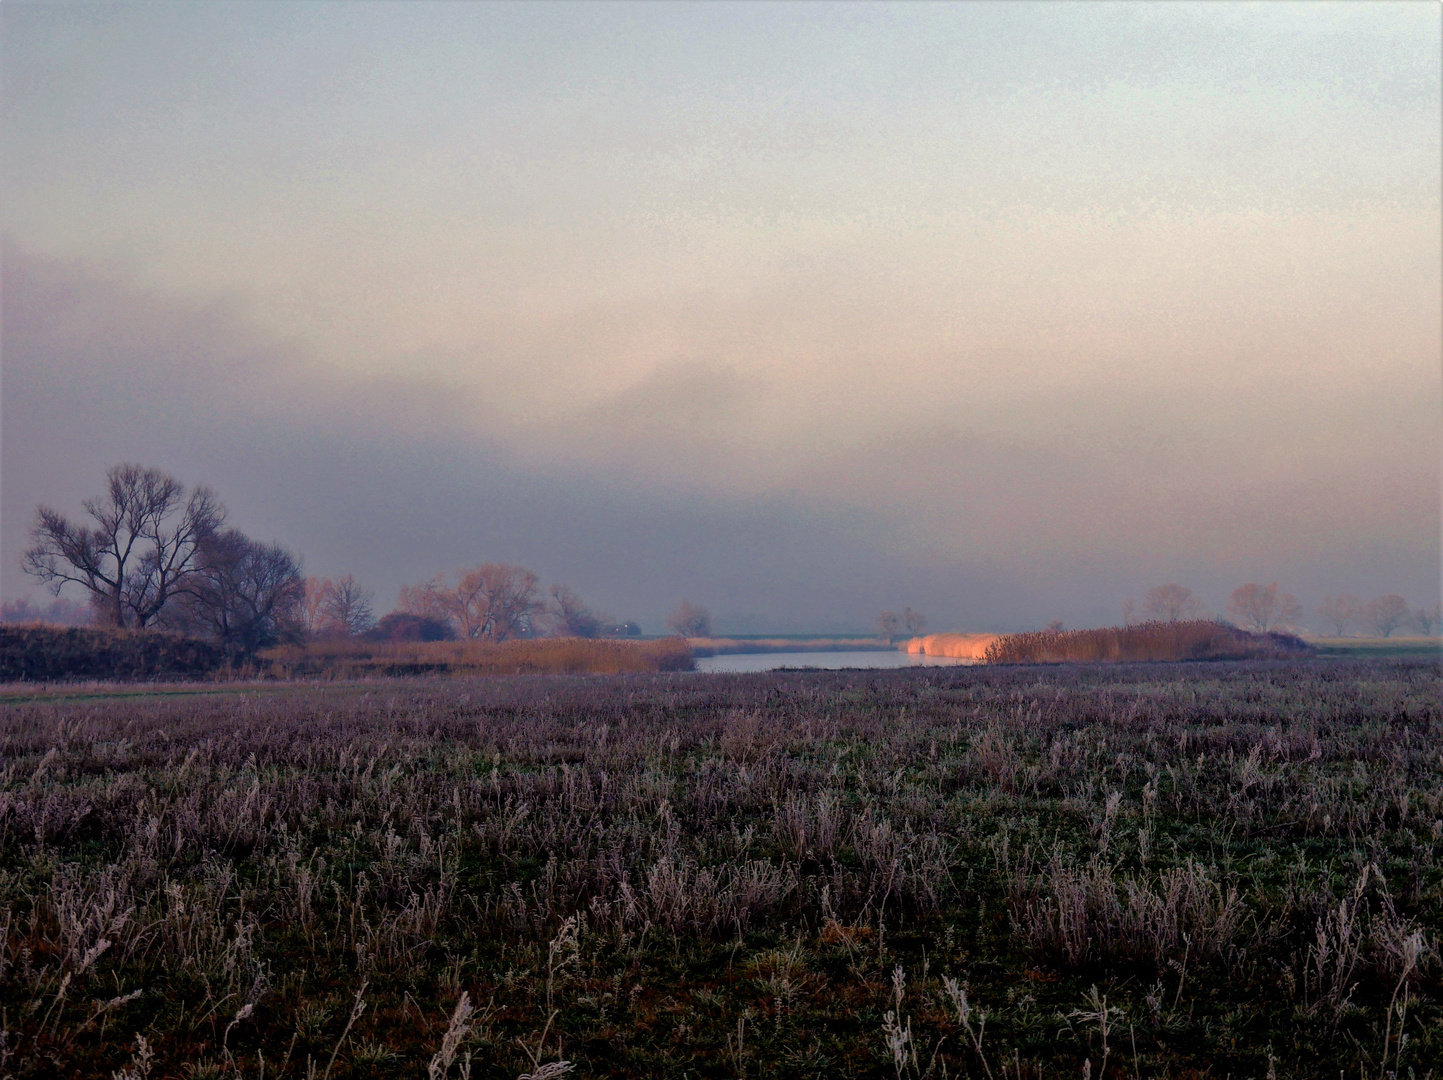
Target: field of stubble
1136, 871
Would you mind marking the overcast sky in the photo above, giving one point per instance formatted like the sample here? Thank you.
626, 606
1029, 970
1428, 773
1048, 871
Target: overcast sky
1003, 311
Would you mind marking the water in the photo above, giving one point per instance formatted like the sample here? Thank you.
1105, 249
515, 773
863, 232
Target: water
893, 658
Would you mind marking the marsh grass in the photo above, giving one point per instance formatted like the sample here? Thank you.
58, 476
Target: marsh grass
1198, 639
355, 658
983, 871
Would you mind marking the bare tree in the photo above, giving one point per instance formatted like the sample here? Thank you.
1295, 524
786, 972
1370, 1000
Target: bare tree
1171, 603
347, 606
914, 622
888, 626
140, 553
1056, 626
571, 616
245, 594
1129, 608
432, 600
496, 601
1427, 619
1260, 609
509, 595
1385, 614
1339, 612
690, 620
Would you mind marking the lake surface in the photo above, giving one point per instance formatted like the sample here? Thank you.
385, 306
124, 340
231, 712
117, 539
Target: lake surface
893, 658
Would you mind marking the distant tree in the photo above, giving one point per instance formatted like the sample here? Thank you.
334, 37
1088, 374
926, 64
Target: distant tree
59, 612
510, 597
1339, 612
337, 609
888, 626
690, 620
404, 626
625, 629
1171, 603
141, 551
914, 622
1129, 609
495, 601
1427, 620
245, 594
571, 617
1055, 627
348, 605
1260, 609
1385, 614
432, 600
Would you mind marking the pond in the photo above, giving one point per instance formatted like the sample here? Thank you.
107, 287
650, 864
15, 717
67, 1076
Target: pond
831, 660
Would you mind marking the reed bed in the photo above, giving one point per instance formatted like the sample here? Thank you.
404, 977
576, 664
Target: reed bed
956, 646
1140, 871
1199, 639
566, 656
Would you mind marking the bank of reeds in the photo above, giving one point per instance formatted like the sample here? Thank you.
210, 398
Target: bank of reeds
953, 645
39, 653
1198, 639
568, 655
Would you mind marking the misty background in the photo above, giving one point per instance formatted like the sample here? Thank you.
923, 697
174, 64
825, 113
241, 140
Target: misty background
1004, 312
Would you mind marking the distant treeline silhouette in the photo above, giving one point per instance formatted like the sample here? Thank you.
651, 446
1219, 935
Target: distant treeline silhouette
1197, 639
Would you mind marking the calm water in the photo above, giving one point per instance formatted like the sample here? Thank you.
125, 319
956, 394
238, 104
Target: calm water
771, 661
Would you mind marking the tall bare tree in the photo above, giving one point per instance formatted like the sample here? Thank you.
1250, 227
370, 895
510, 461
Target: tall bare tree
496, 601
914, 622
509, 593
571, 616
889, 625
1426, 619
141, 551
690, 620
1385, 614
245, 594
1260, 607
1171, 603
1340, 612
337, 609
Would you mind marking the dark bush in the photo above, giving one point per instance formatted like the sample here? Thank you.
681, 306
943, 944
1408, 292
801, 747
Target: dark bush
48, 653
403, 626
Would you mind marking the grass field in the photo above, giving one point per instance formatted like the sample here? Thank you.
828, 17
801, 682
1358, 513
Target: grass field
1221, 869
1371, 648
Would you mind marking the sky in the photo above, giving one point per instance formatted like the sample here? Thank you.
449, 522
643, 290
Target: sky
1005, 312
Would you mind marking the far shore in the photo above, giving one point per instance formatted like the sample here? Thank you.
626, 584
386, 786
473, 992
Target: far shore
725, 646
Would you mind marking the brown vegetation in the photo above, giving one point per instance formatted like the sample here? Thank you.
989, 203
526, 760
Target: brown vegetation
46, 654
1197, 640
357, 659
956, 646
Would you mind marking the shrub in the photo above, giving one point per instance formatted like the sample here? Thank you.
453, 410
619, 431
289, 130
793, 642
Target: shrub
44, 653
1200, 639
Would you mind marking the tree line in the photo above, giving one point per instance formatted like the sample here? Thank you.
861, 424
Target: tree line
1264, 609
154, 554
